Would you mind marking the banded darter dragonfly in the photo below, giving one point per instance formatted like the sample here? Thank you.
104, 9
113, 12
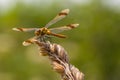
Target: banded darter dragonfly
42, 33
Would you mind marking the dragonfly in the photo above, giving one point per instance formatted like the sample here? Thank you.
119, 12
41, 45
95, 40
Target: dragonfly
42, 33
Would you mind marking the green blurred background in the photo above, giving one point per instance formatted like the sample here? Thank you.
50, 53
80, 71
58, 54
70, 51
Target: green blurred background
93, 47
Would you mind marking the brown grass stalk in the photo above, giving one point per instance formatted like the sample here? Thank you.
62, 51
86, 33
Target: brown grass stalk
60, 61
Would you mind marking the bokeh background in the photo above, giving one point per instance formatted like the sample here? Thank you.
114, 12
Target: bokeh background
93, 47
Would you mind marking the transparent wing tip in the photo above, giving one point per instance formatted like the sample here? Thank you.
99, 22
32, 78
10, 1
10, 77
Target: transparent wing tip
72, 25
18, 29
76, 25
25, 43
15, 29
66, 11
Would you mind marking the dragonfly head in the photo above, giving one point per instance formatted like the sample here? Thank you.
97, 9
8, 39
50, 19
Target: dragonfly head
37, 32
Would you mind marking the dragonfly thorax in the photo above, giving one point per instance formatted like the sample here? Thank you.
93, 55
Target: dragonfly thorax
42, 31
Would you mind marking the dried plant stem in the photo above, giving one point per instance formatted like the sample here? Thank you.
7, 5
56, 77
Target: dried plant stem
60, 61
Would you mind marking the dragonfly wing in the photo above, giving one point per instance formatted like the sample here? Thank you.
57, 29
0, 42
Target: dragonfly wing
25, 29
59, 16
29, 41
63, 28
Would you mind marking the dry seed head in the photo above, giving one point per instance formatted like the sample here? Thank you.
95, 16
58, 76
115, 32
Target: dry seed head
43, 54
59, 59
58, 67
76, 73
